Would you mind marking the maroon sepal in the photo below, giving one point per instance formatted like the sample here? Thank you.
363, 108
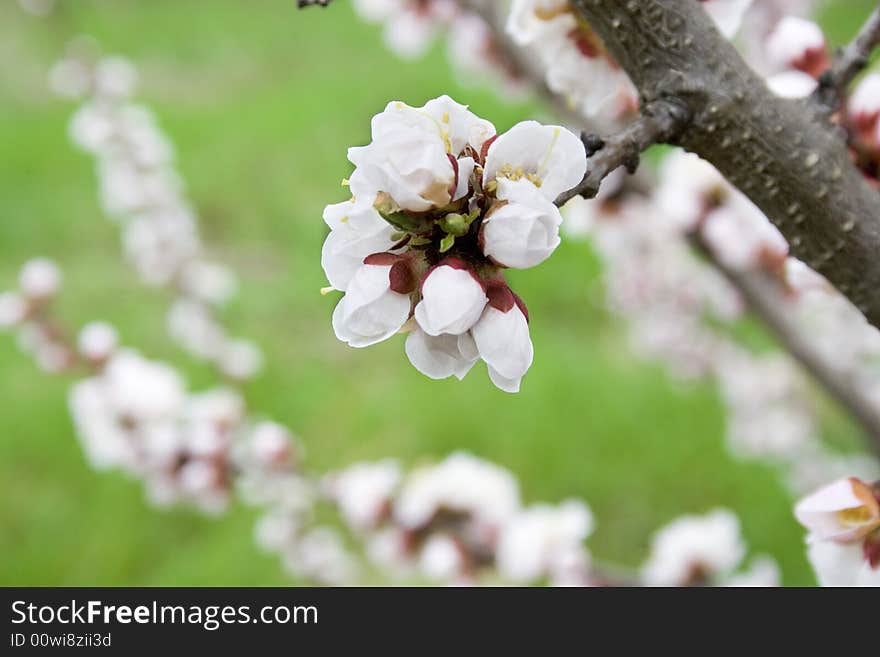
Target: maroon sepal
484, 150
381, 259
455, 179
403, 278
871, 549
500, 295
522, 306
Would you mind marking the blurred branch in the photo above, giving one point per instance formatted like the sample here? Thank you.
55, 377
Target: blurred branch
766, 299
312, 3
659, 121
848, 63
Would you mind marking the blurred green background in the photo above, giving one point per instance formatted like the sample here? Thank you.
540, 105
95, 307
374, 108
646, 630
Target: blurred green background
262, 102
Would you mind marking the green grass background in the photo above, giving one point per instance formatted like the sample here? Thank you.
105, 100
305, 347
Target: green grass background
262, 102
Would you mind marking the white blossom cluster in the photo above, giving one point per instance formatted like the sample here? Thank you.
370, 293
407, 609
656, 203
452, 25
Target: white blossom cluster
461, 521
441, 206
26, 311
843, 520
705, 551
573, 57
141, 190
575, 61
410, 27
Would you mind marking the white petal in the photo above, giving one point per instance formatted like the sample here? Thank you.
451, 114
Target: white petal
370, 311
504, 342
357, 231
727, 14
465, 169
552, 154
503, 383
438, 357
452, 301
792, 84
523, 232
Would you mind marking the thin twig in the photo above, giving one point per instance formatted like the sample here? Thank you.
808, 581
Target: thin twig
848, 63
659, 121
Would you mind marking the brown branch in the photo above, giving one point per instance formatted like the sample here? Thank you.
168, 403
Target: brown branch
776, 151
766, 299
312, 3
848, 63
659, 121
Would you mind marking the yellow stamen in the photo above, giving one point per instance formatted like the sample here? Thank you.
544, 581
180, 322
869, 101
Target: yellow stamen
854, 517
327, 290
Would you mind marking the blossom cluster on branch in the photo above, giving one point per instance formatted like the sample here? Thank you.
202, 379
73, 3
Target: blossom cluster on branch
441, 206
141, 190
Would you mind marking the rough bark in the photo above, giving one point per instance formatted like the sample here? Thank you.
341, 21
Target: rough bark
779, 152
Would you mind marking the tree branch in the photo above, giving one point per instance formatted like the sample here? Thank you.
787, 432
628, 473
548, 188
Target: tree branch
776, 151
659, 121
765, 298
848, 63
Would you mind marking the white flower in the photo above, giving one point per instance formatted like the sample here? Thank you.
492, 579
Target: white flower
523, 231
70, 78
208, 282
793, 41
97, 341
13, 309
276, 530
503, 340
688, 188
441, 356
550, 157
356, 231
792, 84
40, 278
103, 439
763, 572
539, 542
864, 103
842, 565
531, 21
240, 359
461, 483
412, 153
742, 237
363, 492
727, 14
115, 77
844, 511
452, 301
572, 55
442, 558
694, 549
270, 444
370, 311
195, 328
142, 390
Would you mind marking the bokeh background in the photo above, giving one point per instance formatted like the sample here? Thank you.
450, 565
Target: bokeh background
262, 102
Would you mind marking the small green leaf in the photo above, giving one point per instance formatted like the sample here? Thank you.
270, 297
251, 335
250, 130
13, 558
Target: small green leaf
446, 243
